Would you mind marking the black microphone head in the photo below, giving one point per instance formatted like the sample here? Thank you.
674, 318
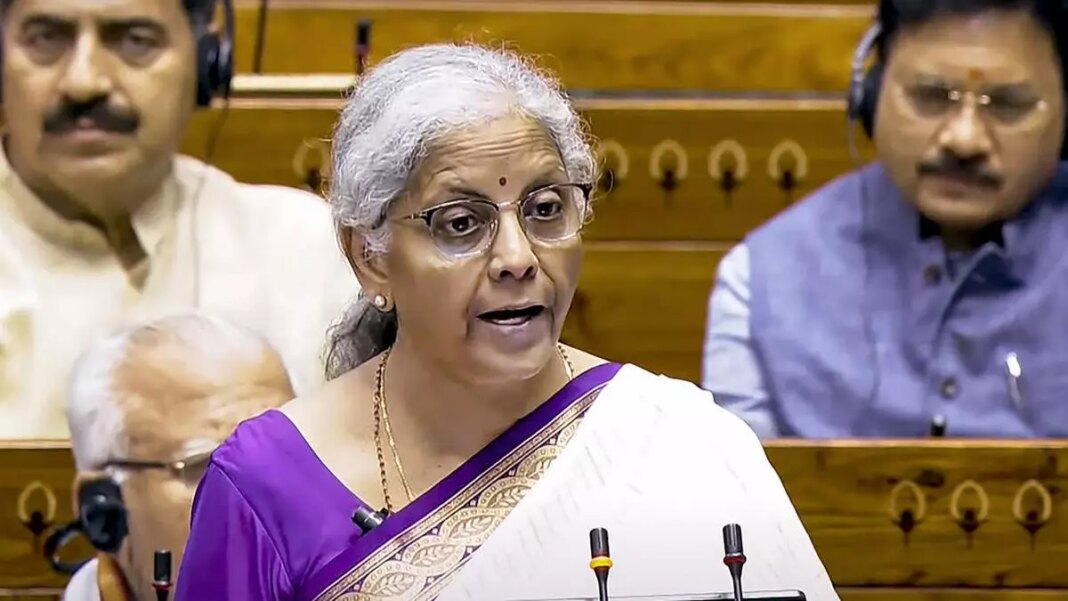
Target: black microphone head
363, 32
732, 539
599, 543
938, 426
161, 568
366, 518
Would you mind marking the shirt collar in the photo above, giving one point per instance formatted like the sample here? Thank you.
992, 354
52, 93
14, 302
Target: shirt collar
150, 222
1016, 242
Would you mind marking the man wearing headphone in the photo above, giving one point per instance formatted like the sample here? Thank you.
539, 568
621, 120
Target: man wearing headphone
926, 292
147, 407
101, 222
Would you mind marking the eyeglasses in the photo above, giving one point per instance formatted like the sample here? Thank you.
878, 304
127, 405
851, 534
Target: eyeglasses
185, 468
1005, 104
468, 226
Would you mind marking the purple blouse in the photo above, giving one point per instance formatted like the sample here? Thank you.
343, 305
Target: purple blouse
267, 532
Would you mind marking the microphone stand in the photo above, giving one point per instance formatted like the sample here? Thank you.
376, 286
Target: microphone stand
734, 557
600, 560
161, 574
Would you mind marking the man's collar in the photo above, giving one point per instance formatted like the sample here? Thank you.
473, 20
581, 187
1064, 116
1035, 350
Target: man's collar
993, 232
150, 222
895, 221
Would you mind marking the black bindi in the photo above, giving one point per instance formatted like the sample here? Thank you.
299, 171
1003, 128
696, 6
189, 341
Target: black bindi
503, 181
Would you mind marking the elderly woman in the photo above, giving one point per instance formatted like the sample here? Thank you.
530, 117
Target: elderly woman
462, 180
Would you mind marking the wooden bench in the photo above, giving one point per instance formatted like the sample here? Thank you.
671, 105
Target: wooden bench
607, 45
851, 495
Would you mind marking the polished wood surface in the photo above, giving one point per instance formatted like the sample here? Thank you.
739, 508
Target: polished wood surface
849, 495
645, 303
842, 490
606, 45
35, 496
777, 151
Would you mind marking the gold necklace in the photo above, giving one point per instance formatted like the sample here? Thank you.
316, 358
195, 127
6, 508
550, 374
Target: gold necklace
381, 417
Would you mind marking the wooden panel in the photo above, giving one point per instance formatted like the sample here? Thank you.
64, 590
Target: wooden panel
841, 490
843, 493
35, 493
644, 304
261, 140
603, 45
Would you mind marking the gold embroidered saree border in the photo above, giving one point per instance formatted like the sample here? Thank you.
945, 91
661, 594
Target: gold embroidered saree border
420, 561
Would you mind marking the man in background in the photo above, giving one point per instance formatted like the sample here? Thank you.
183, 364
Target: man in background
927, 292
147, 407
102, 223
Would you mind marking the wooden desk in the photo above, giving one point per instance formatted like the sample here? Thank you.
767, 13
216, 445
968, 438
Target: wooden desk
592, 45
849, 495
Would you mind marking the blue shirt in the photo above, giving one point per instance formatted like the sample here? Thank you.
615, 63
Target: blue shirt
839, 319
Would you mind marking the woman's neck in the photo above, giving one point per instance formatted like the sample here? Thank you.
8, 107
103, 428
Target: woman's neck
436, 416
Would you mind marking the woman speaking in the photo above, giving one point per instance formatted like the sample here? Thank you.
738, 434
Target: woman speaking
461, 183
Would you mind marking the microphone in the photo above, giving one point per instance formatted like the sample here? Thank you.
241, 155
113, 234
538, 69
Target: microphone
733, 556
363, 44
938, 426
600, 560
161, 574
366, 519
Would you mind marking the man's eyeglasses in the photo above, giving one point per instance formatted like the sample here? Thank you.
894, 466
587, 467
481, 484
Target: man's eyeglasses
468, 226
1006, 105
186, 468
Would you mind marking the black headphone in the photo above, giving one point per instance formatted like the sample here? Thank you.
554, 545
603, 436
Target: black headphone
865, 85
101, 518
215, 56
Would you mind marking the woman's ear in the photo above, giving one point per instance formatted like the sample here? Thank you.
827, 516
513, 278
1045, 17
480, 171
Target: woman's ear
370, 270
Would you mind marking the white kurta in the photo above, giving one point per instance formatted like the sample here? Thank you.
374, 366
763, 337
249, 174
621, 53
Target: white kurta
263, 256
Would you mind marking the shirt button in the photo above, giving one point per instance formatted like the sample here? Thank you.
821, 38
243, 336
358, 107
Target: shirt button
933, 274
949, 388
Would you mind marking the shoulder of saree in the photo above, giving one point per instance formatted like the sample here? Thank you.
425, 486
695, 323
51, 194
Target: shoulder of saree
663, 468
416, 552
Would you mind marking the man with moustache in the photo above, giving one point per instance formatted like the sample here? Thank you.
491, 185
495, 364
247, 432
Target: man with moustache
148, 405
102, 223
926, 292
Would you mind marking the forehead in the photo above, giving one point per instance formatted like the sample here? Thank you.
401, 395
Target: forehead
997, 44
91, 10
511, 146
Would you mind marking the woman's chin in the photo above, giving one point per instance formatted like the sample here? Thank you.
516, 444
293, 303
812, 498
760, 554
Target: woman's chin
499, 367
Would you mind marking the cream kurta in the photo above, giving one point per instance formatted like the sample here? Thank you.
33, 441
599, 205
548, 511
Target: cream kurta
263, 256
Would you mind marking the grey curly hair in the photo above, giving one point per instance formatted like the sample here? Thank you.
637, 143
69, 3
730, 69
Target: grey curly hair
394, 116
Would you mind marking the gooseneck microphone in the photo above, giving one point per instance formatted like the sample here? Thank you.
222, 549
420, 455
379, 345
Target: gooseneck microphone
161, 574
600, 560
366, 519
363, 45
733, 556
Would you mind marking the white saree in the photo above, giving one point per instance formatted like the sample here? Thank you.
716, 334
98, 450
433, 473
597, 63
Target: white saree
663, 469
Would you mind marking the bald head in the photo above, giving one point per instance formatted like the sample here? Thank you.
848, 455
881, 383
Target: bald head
168, 385
165, 391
